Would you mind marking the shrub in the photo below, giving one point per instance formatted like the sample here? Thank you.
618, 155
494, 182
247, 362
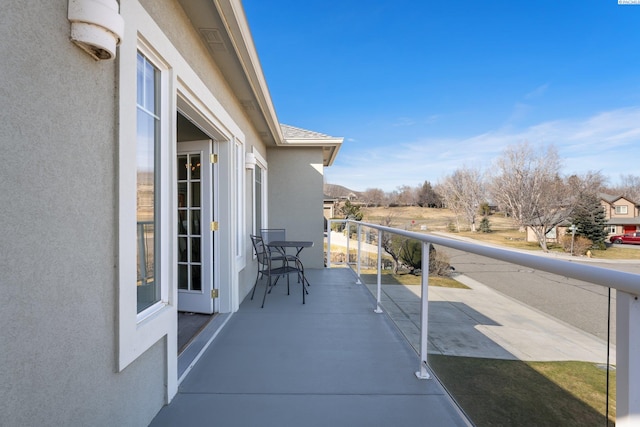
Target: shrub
580, 244
485, 225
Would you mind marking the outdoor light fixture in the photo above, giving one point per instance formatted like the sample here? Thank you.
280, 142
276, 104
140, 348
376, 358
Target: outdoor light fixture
249, 161
96, 27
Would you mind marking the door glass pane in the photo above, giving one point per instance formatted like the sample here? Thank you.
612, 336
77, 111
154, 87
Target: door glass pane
195, 194
195, 249
195, 222
183, 276
195, 167
183, 255
196, 278
182, 168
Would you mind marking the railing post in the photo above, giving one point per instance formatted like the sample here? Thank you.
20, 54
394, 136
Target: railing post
348, 239
329, 224
359, 253
424, 313
379, 293
627, 360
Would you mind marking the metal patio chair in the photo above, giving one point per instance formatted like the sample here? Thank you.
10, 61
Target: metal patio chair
273, 264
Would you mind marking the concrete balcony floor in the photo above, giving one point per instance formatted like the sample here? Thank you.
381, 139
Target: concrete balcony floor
330, 362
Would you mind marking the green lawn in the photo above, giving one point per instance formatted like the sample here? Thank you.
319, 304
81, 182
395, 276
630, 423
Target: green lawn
514, 393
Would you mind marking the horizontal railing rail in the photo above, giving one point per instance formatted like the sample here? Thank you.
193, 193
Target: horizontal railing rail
626, 284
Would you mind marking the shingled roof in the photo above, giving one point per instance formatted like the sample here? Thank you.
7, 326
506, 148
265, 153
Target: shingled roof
302, 137
290, 132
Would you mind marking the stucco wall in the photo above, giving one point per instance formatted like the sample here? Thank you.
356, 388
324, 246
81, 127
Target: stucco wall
296, 198
58, 209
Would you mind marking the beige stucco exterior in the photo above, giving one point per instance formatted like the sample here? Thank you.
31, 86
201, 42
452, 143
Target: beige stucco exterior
622, 214
64, 195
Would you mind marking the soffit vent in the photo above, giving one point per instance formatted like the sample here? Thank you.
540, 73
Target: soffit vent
214, 39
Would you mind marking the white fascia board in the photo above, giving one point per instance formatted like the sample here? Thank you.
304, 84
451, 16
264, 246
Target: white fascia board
235, 20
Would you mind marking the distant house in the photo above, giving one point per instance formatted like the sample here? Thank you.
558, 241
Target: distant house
553, 235
623, 214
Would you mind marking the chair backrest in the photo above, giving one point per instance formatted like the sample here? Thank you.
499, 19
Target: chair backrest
273, 234
260, 249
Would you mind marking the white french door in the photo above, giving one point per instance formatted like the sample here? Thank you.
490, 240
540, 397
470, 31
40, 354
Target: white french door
195, 238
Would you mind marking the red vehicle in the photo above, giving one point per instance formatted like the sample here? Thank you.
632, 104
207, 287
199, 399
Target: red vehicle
631, 238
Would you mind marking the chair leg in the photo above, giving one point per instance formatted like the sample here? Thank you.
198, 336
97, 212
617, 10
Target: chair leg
267, 288
255, 284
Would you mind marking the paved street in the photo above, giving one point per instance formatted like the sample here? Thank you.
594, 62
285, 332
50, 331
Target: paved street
577, 303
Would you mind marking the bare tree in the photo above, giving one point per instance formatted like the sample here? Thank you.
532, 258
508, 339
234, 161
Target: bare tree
559, 201
407, 196
391, 243
523, 178
462, 192
373, 196
528, 186
629, 187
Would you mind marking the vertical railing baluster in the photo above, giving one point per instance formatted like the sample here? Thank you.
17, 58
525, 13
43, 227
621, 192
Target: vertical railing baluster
424, 313
348, 239
379, 292
359, 250
329, 228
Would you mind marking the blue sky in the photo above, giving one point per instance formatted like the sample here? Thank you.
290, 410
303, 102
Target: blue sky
420, 88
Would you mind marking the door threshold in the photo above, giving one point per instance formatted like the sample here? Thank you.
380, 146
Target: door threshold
199, 343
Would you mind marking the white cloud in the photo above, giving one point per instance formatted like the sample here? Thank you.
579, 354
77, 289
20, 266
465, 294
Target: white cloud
537, 92
608, 142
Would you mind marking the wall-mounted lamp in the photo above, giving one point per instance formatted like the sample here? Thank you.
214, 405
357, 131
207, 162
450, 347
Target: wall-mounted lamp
96, 27
249, 161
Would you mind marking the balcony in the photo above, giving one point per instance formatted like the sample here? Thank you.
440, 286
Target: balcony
330, 362
524, 340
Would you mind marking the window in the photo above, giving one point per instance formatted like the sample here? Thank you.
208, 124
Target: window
240, 203
258, 200
147, 141
621, 210
611, 229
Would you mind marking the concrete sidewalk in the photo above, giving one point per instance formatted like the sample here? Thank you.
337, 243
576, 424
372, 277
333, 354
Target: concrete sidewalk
480, 322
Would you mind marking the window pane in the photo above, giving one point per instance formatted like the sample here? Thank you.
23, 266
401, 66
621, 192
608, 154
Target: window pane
258, 198
148, 290
149, 101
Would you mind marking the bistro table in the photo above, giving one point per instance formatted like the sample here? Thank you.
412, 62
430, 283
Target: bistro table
282, 246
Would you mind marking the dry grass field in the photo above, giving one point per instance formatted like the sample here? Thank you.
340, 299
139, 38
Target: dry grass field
504, 230
413, 217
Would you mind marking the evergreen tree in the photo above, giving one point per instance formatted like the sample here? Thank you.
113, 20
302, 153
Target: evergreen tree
351, 211
590, 220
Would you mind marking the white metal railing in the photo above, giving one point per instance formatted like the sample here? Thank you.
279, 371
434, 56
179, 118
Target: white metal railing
627, 286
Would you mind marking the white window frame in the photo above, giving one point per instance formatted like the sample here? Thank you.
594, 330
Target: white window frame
262, 163
136, 334
621, 209
139, 331
240, 196
612, 229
